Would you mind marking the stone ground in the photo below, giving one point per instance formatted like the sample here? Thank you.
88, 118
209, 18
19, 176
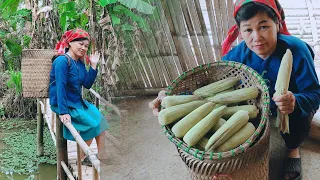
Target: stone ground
146, 153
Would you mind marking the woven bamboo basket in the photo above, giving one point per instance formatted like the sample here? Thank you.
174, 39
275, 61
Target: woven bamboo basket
35, 68
254, 152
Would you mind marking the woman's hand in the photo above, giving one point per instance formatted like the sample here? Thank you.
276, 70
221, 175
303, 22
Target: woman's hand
94, 59
155, 105
65, 118
285, 103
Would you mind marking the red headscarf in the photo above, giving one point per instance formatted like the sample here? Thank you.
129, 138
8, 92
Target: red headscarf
69, 36
234, 30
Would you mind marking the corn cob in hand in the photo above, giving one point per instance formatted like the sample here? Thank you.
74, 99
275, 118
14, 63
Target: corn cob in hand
281, 88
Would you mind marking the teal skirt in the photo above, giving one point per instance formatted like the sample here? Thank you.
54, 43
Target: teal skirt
87, 120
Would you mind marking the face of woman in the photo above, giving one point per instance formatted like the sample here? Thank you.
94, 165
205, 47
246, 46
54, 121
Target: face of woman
79, 48
260, 34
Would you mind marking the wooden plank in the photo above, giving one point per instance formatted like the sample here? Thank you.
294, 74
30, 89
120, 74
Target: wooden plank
224, 19
121, 84
163, 48
179, 41
315, 36
153, 49
145, 69
193, 34
169, 44
152, 63
216, 44
130, 75
182, 34
218, 15
134, 82
200, 27
139, 79
231, 20
139, 92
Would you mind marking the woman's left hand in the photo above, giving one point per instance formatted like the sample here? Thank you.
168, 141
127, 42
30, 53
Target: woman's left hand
94, 59
285, 103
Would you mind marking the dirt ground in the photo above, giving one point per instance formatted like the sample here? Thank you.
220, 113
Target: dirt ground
146, 153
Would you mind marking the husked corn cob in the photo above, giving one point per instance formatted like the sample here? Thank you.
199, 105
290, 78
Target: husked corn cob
186, 123
218, 125
174, 113
233, 124
281, 87
225, 91
216, 87
235, 96
198, 131
237, 138
252, 109
169, 101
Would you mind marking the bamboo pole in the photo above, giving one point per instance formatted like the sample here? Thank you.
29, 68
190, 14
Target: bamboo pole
79, 163
93, 158
62, 151
66, 170
115, 108
51, 128
39, 129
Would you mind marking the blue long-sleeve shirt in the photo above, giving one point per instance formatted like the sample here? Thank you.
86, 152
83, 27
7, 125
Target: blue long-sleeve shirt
303, 81
66, 81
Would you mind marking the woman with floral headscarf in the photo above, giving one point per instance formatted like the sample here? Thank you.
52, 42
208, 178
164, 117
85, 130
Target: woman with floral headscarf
266, 38
67, 76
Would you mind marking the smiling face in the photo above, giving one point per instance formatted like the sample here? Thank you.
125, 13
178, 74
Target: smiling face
260, 34
78, 49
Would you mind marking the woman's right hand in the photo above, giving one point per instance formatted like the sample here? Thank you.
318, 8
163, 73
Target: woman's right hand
155, 105
65, 118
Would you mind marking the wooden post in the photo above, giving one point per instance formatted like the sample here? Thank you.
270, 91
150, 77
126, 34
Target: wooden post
62, 152
95, 174
79, 163
97, 102
40, 123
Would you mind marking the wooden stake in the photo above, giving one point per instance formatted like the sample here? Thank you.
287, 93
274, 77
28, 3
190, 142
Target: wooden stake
40, 123
79, 163
62, 151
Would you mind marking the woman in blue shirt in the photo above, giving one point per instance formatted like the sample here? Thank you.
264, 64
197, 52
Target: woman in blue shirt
261, 25
67, 77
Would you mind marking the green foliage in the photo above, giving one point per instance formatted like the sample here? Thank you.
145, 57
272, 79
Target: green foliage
121, 10
12, 26
19, 155
140, 5
15, 81
8, 7
14, 47
71, 16
103, 3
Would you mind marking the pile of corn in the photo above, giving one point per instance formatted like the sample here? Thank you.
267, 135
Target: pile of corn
214, 118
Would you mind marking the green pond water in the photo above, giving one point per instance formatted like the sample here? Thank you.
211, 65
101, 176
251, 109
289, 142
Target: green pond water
18, 151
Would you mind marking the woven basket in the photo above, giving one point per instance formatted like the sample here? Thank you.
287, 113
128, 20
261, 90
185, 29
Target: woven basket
204, 164
35, 68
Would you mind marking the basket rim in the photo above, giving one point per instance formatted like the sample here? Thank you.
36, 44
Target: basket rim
202, 155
